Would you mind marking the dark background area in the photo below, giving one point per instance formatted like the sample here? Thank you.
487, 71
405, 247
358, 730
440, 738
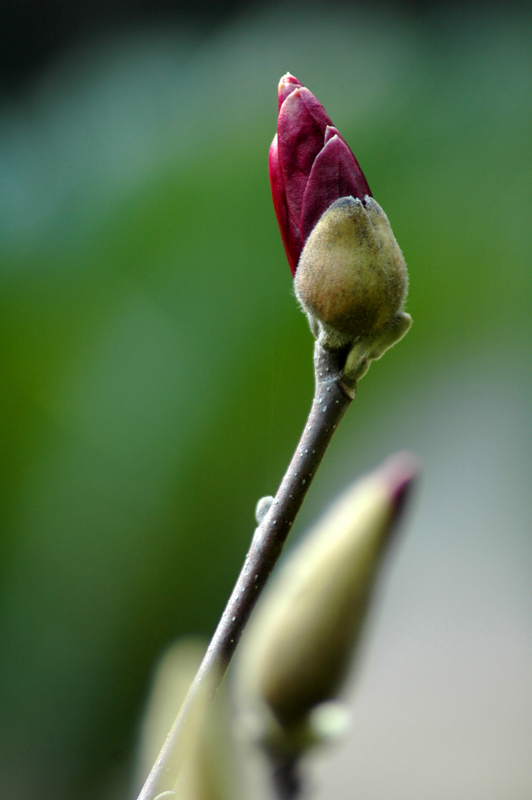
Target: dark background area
33, 32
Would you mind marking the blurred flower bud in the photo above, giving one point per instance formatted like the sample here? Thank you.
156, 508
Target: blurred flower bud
204, 766
351, 278
311, 166
301, 641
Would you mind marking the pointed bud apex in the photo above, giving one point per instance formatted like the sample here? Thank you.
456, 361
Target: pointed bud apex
287, 84
300, 643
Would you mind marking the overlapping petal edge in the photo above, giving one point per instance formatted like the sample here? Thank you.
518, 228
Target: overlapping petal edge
310, 166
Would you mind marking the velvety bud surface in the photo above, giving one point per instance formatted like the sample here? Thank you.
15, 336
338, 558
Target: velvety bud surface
310, 164
305, 632
352, 275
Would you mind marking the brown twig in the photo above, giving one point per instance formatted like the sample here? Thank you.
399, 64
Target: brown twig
332, 397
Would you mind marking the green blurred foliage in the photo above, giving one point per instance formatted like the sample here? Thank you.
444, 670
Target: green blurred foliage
155, 370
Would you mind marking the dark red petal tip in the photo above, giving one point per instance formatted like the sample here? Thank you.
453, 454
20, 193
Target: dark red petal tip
401, 472
287, 84
335, 173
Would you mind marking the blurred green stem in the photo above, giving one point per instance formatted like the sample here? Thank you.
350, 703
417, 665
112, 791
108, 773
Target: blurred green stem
332, 397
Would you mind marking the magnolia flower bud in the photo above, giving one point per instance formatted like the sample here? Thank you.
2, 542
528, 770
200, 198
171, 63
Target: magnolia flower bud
300, 643
351, 276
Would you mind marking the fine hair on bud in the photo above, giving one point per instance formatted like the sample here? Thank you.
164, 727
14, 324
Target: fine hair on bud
352, 277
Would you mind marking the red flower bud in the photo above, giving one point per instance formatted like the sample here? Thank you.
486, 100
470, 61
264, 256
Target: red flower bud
311, 166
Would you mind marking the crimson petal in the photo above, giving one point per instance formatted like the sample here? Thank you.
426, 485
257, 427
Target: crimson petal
301, 129
292, 240
335, 173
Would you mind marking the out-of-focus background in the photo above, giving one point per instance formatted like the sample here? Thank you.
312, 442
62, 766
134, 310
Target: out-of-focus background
156, 372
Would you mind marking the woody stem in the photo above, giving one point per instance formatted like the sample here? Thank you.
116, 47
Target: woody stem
286, 780
332, 398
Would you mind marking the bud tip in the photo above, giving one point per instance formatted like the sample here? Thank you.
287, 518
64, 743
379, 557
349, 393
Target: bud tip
401, 472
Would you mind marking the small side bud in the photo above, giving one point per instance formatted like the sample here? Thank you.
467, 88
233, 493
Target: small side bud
351, 278
370, 348
300, 643
263, 506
